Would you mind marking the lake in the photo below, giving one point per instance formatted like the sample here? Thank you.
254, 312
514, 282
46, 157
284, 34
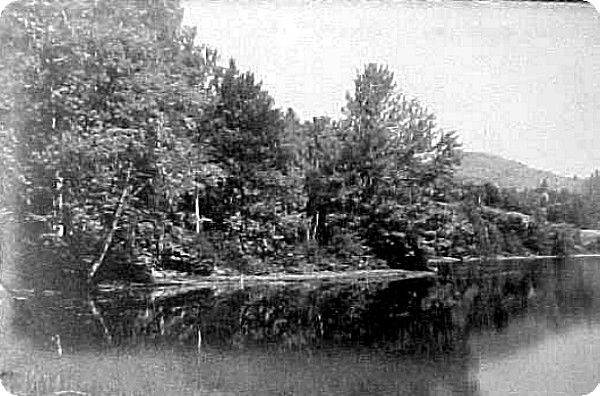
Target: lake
513, 327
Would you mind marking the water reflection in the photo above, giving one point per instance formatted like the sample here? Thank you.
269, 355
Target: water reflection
453, 334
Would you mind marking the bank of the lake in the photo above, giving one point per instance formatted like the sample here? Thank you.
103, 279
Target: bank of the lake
447, 260
182, 283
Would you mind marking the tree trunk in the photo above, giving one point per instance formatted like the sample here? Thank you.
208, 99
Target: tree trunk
243, 216
197, 210
111, 233
316, 227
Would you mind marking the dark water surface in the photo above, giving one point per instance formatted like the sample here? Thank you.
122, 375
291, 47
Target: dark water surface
529, 327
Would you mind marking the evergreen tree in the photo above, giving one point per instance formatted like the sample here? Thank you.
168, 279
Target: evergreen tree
245, 135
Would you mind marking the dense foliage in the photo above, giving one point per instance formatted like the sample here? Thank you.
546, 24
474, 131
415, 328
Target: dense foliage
128, 148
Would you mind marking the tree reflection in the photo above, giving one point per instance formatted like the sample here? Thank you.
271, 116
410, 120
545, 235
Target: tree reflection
408, 316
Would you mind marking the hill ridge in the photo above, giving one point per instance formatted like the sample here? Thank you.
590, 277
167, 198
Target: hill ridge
479, 167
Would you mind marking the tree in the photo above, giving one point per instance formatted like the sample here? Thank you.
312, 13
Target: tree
109, 100
394, 161
244, 134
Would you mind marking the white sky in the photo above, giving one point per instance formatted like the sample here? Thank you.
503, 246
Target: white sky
517, 79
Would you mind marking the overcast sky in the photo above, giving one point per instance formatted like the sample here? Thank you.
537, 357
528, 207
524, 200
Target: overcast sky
517, 79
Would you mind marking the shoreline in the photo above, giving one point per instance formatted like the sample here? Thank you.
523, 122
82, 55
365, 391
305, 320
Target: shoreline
450, 260
189, 283
193, 282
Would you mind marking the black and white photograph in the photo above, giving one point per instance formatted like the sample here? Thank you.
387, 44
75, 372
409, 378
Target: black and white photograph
299, 197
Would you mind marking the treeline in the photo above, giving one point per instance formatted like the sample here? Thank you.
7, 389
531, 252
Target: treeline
538, 221
127, 148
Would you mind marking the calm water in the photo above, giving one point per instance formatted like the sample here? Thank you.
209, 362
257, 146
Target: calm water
526, 328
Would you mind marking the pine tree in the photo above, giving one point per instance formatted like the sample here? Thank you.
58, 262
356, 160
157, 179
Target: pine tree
395, 163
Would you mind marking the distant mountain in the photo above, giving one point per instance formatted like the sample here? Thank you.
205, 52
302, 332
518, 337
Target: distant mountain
481, 167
